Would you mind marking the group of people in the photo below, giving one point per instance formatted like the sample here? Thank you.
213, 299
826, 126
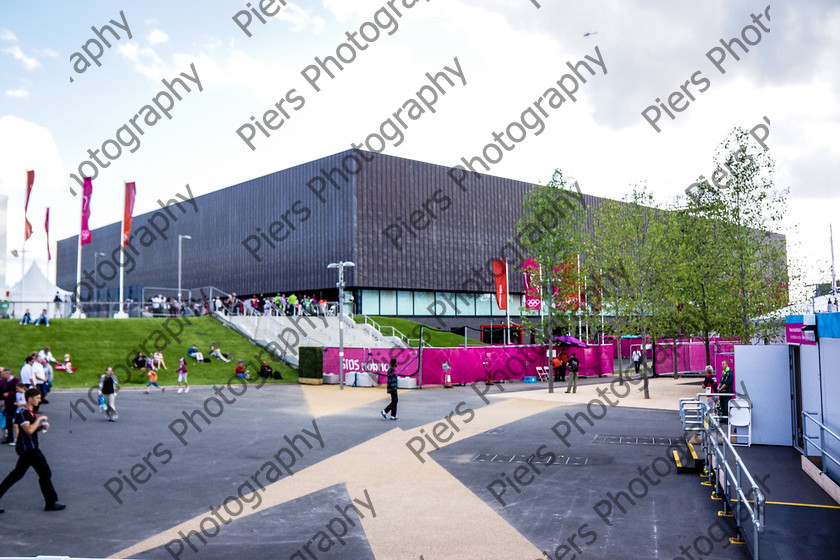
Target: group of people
42, 319
726, 385
22, 398
562, 363
280, 304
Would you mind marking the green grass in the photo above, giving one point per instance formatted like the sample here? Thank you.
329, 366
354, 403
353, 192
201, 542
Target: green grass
95, 344
411, 329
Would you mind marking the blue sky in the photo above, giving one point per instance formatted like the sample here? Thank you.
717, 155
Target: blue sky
510, 52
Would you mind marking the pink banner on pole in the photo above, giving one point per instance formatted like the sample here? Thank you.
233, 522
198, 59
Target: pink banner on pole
87, 191
533, 289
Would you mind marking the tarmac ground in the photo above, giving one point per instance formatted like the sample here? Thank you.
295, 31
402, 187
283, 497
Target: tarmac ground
312, 472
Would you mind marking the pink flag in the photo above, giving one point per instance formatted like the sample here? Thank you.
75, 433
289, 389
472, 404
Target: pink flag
130, 191
86, 193
533, 289
47, 228
30, 181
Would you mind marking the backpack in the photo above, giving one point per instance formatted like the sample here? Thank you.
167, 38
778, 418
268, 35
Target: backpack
276, 375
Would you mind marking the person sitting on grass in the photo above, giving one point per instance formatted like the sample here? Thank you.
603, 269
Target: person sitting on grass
42, 318
158, 361
67, 365
139, 361
266, 372
194, 353
217, 353
240, 372
26, 319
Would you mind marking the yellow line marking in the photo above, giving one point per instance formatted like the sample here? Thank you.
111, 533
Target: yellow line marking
793, 504
693, 452
677, 459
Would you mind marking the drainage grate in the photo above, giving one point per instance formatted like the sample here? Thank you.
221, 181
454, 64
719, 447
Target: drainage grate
559, 460
638, 440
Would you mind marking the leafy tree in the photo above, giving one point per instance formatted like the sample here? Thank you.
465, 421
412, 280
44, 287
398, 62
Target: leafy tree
740, 210
549, 231
628, 242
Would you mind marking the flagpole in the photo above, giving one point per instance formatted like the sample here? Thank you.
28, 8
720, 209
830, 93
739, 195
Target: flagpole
121, 314
507, 295
577, 281
77, 314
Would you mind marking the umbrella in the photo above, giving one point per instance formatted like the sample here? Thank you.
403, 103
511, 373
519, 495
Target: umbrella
570, 341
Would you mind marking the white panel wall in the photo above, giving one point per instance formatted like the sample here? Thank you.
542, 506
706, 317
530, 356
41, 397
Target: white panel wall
830, 362
810, 367
765, 373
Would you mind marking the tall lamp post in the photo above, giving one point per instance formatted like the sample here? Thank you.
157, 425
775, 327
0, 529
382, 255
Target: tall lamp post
95, 270
340, 266
22, 254
180, 237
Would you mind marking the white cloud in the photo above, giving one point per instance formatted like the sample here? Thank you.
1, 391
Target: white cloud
300, 18
28, 62
6, 35
156, 37
49, 52
20, 93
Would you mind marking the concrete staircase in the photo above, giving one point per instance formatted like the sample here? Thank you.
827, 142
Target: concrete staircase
283, 335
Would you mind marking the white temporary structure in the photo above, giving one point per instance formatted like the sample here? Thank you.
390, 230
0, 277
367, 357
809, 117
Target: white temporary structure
37, 290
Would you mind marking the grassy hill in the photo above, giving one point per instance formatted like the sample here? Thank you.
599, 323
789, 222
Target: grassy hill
411, 329
95, 344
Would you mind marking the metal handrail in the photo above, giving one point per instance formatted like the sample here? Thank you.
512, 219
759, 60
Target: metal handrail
823, 430
733, 478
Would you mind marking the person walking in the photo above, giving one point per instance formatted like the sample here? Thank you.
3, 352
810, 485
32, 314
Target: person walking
108, 389
392, 391
30, 455
8, 388
182, 376
636, 356
573, 373
152, 376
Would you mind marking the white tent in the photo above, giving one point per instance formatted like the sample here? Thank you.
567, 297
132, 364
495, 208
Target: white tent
38, 291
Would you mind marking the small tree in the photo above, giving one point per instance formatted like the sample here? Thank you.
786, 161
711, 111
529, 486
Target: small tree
549, 231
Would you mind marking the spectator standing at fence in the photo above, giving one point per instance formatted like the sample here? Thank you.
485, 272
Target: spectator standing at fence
29, 454
293, 300
392, 391
182, 376
57, 306
573, 366
108, 389
8, 388
727, 383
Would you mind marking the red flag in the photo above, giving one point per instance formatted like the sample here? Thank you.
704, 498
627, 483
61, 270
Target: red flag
130, 191
30, 181
47, 228
86, 193
500, 273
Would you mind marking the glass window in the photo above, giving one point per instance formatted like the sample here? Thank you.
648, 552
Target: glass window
387, 302
483, 303
370, 302
466, 304
424, 303
405, 303
446, 304
515, 302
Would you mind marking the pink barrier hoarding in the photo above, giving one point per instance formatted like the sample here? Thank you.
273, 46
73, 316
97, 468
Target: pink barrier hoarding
466, 364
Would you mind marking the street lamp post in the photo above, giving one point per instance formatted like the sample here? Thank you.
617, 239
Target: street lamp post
95, 270
180, 237
22, 253
340, 266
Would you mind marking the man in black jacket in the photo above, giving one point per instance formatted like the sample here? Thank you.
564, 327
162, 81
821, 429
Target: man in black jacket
392, 390
29, 455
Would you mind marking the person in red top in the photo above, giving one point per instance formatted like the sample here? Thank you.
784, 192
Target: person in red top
29, 455
8, 386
